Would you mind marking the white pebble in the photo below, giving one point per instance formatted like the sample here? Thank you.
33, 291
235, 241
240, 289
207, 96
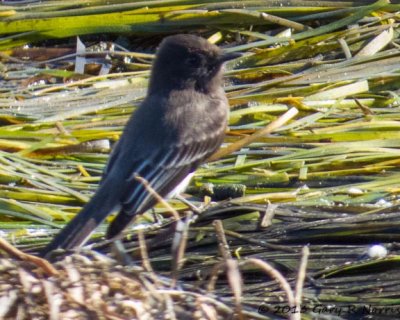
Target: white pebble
377, 251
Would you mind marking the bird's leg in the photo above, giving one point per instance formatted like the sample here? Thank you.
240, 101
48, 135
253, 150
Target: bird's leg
121, 254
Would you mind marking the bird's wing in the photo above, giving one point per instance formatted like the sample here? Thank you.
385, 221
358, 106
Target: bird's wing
163, 171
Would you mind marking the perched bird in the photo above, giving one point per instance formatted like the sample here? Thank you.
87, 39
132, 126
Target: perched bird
180, 123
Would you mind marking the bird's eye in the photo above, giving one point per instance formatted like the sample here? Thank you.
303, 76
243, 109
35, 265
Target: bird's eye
193, 61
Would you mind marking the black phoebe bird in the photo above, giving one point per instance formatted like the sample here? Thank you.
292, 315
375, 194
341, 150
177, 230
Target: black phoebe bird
180, 123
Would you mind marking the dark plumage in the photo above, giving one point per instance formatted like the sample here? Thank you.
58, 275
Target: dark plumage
180, 123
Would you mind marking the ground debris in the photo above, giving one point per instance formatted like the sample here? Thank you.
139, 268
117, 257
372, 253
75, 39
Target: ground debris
89, 287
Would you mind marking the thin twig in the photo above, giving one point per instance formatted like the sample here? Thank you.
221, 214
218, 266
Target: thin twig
301, 275
143, 252
42, 263
255, 136
222, 243
154, 193
236, 283
179, 246
275, 274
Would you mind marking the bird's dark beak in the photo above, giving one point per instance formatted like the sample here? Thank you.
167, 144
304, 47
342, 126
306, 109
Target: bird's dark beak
228, 56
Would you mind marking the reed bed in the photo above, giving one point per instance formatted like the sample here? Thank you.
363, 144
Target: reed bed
328, 179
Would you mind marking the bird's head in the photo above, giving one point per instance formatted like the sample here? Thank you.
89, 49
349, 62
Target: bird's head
188, 62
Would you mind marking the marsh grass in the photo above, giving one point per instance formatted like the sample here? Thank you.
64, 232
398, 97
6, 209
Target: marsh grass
333, 170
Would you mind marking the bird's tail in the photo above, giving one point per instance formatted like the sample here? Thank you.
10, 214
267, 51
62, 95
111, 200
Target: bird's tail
79, 229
